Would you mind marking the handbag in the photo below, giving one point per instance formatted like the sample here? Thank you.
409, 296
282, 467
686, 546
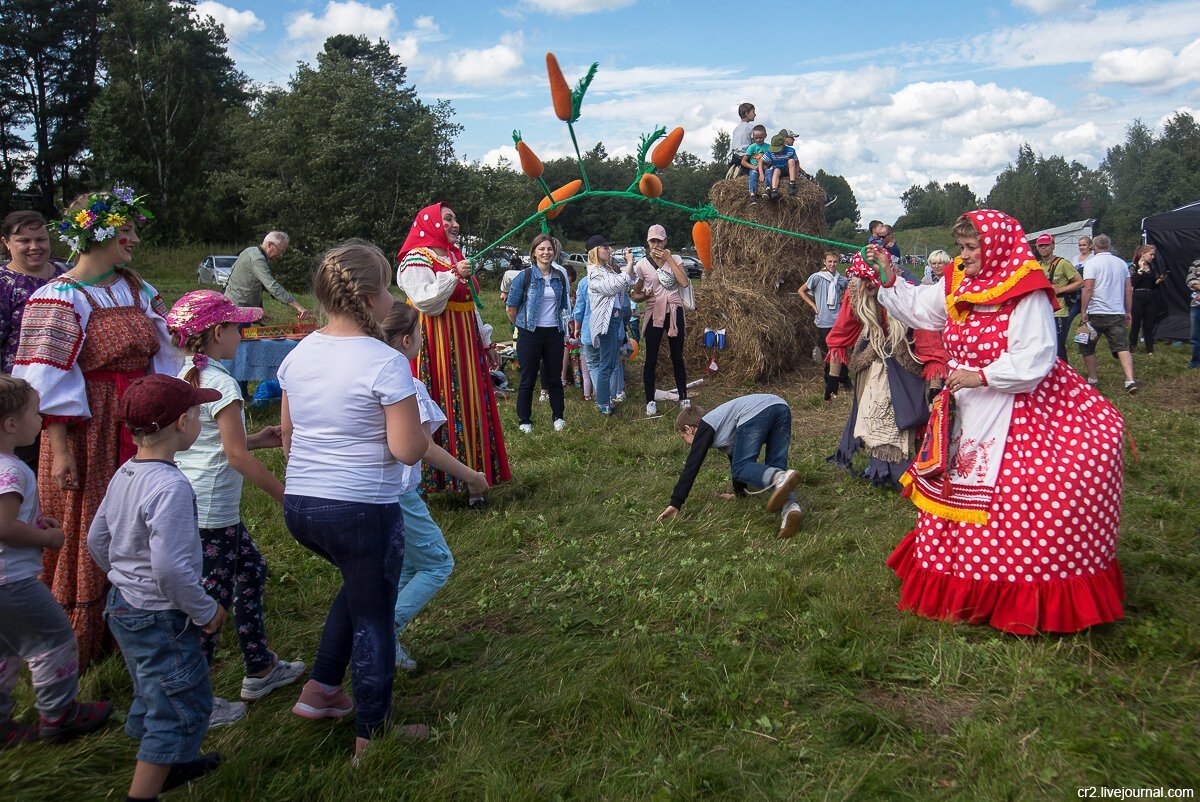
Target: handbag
933, 457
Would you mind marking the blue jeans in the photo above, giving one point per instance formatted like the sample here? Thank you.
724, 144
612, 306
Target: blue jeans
365, 542
427, 560
771, 428
172, 697
1195, 337
767, 171
610, 356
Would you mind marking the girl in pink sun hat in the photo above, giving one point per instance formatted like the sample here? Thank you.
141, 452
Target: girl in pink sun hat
205, 324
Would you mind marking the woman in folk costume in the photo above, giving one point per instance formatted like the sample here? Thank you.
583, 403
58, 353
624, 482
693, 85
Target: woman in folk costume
458, 356
85, 336
1019, 481
892, 368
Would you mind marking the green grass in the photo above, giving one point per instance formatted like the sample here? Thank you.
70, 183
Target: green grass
580, 651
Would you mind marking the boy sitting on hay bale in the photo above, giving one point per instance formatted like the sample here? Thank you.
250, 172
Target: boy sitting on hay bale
740, 429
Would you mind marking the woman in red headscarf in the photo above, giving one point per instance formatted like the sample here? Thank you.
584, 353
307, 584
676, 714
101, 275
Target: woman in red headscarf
1021, 501
458, 355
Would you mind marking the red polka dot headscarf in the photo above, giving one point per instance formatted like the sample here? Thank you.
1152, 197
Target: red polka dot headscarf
428, 231
1010, 270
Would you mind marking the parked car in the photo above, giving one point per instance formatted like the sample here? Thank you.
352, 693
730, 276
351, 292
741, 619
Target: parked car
498, 259
693, 266
215, 270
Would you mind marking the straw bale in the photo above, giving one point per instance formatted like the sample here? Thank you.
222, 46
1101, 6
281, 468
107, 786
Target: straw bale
751, 290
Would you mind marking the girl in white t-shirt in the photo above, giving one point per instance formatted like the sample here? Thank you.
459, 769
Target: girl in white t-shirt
350, 425
427, 558
205, 324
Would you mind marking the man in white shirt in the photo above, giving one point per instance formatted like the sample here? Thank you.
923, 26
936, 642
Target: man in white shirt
1107, 300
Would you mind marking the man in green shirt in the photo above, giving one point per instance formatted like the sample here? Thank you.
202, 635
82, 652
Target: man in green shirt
251, 274
1066, 279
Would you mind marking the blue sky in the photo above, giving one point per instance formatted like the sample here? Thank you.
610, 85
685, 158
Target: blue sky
886, 94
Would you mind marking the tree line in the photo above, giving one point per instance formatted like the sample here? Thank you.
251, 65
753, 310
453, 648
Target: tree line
143, 92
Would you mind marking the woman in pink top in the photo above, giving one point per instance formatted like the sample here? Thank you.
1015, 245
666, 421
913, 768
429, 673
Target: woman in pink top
663, 313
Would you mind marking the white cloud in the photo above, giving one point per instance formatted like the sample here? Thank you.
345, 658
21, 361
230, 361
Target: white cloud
492, 65
1083, 137
1050, 6
236, 23
1155, 68
349, 17
567, 8
963, 107
1069, 39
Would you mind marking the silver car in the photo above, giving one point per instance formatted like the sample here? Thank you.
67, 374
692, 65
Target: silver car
215, 270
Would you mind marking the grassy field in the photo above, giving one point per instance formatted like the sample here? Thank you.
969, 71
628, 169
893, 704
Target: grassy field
581, 651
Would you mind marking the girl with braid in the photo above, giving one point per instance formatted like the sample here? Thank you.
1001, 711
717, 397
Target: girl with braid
350, 424
205, 324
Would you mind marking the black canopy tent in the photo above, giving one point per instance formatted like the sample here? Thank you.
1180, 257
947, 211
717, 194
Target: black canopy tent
1176, 237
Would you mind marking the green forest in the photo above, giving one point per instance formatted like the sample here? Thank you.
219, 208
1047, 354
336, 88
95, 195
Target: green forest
144, 93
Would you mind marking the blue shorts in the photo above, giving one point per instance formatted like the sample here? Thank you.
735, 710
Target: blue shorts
172, 696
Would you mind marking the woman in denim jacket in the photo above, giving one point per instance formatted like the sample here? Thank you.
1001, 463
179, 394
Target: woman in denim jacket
537, 303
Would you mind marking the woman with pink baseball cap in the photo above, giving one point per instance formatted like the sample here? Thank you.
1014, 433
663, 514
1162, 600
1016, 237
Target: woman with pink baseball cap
662, 274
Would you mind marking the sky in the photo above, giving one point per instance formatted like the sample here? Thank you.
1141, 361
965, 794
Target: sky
886, 94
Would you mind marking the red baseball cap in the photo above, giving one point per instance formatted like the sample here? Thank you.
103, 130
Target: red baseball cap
156, 401
1045, 239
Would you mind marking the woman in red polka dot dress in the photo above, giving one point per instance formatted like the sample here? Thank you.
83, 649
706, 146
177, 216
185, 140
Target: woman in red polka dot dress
1019, 529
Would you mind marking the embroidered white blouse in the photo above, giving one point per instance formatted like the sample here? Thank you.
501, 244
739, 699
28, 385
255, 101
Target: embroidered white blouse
61, 386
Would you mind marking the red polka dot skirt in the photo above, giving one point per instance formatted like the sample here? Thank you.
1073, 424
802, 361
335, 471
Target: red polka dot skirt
1046, 559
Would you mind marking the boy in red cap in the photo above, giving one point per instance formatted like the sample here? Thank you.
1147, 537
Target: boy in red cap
1066, 280
146, 539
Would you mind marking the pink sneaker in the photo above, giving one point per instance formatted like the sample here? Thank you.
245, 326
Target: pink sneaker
315, 702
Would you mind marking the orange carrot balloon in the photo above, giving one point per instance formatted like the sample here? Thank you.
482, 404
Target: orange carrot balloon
562, 193
650, 185
665, 150
531, 165
560, 93
702, 237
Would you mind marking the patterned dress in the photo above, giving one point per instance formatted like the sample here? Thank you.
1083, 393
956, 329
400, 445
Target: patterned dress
1020, 532
80, 348
15, 289
453, 365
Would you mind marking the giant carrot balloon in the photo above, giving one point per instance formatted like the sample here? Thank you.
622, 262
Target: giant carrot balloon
665, 150
562, 193
702, 237
560, 93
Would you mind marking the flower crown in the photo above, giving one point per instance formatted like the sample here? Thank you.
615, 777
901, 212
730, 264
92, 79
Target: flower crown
100, 218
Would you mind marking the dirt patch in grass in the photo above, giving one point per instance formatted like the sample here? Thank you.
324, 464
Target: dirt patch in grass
1181, 392
930, 714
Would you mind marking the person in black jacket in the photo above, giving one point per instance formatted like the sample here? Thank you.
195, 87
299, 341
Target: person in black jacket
740, 429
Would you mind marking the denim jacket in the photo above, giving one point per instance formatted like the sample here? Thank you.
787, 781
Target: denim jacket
528, 299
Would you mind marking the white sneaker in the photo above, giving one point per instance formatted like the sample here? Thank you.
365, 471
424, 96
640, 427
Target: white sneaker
282, 673
791, 520
685, 403
225, 712
618, 398
404, 661
651, 408
526, 428
545, 396
783, 485
559, 425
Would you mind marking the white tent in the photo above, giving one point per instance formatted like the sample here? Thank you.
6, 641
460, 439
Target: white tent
1066, 238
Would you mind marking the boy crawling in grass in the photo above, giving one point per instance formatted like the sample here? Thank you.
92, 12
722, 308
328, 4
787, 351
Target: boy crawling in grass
740, 429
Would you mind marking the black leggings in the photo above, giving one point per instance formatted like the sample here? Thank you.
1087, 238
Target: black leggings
653, 338
1143, 317
540, 349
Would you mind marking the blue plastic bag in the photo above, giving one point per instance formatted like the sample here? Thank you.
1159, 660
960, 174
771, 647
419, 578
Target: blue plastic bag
265, 393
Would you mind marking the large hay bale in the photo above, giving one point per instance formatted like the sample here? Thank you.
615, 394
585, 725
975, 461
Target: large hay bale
751, 290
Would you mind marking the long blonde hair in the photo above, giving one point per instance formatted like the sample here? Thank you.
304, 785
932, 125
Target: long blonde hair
347, 276
884, 342
594, 259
